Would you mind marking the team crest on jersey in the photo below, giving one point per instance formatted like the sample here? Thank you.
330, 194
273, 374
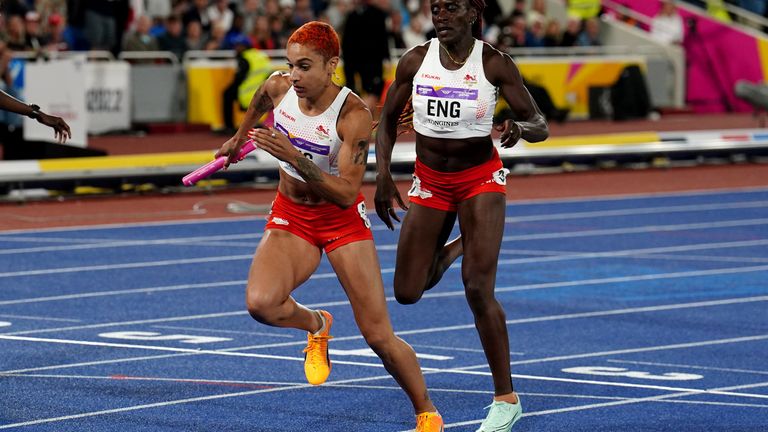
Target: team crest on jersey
322, 132
470, 79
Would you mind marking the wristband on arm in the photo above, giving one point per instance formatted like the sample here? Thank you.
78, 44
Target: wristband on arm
35, 114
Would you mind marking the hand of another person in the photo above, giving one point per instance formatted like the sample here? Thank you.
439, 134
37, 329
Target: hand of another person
510, 133
274, 143
386, 191
60, 127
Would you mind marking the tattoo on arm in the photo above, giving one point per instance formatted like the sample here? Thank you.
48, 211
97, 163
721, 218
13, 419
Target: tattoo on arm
264, 103
308, 169
361, 154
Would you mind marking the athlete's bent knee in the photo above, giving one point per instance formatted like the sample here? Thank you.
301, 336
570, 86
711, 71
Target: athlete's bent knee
260, 307
407, 298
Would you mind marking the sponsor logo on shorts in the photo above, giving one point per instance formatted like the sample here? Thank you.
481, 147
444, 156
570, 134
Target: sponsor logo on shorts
500, 176
279, 221
363, 214
417, 191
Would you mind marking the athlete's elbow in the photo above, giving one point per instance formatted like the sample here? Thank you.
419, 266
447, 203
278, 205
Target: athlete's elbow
538, 137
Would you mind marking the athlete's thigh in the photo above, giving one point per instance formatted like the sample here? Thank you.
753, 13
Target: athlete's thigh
423, 234
481, 219
357, 267
282, 262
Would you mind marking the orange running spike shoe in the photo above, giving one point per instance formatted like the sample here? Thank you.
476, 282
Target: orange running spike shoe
317, 363
429, 422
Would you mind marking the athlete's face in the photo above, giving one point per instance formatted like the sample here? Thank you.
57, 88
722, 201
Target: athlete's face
310, 72
452, 19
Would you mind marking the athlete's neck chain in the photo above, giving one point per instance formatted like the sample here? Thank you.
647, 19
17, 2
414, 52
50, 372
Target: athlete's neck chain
459, 63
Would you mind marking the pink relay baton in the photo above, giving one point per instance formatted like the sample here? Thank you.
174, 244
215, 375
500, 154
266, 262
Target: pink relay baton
216, 164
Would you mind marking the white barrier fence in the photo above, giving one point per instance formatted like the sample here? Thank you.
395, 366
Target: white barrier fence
93, 97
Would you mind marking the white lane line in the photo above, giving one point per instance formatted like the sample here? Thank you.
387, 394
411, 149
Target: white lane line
357, 337
655, 308
256, 219
467, 368
133, 265
687, 366
173, 349
639, 230
710, 258
65, 240
634, 211
146, 264
94, 227
206, 240
638, 196
221, 396
100, 244
177, 402
559, 257
451, 348
643, 255
645, 349
77, 296
153, 379
627, 252
39, 318
608, 404
93, 363
250, 333
170, 319
354, 386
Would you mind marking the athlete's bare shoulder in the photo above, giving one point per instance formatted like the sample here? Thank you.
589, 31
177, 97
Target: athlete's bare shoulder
354, 110
496, 64
277, 84
410, 62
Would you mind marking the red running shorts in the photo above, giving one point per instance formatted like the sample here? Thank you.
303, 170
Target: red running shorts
444, 190
326, 226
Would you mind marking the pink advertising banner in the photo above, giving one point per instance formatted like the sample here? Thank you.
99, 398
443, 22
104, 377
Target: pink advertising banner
717, 56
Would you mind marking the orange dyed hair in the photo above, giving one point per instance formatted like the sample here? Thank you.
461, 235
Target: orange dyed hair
319, 36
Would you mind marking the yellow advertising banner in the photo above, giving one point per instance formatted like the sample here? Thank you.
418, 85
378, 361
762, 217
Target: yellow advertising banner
568, 81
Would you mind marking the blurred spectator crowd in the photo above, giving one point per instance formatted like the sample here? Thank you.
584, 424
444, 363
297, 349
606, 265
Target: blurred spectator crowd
182, 25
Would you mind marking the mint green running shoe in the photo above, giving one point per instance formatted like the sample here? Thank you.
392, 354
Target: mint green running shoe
501, 417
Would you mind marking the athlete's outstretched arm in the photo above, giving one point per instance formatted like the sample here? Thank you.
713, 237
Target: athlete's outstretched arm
60, 127
502, 71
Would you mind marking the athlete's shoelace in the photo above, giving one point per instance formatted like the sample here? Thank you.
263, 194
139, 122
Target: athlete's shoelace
496, 416
316, 348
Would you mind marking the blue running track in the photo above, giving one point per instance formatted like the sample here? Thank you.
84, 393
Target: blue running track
634, 314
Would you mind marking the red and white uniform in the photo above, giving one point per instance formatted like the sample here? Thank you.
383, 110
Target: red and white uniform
453, 103
314, 136
326, 226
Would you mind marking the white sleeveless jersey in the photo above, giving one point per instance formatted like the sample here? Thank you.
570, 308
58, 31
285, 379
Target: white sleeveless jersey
314, 136
453, 104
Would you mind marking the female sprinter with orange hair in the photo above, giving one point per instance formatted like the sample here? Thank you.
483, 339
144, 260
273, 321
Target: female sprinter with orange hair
453, 82
320, 136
